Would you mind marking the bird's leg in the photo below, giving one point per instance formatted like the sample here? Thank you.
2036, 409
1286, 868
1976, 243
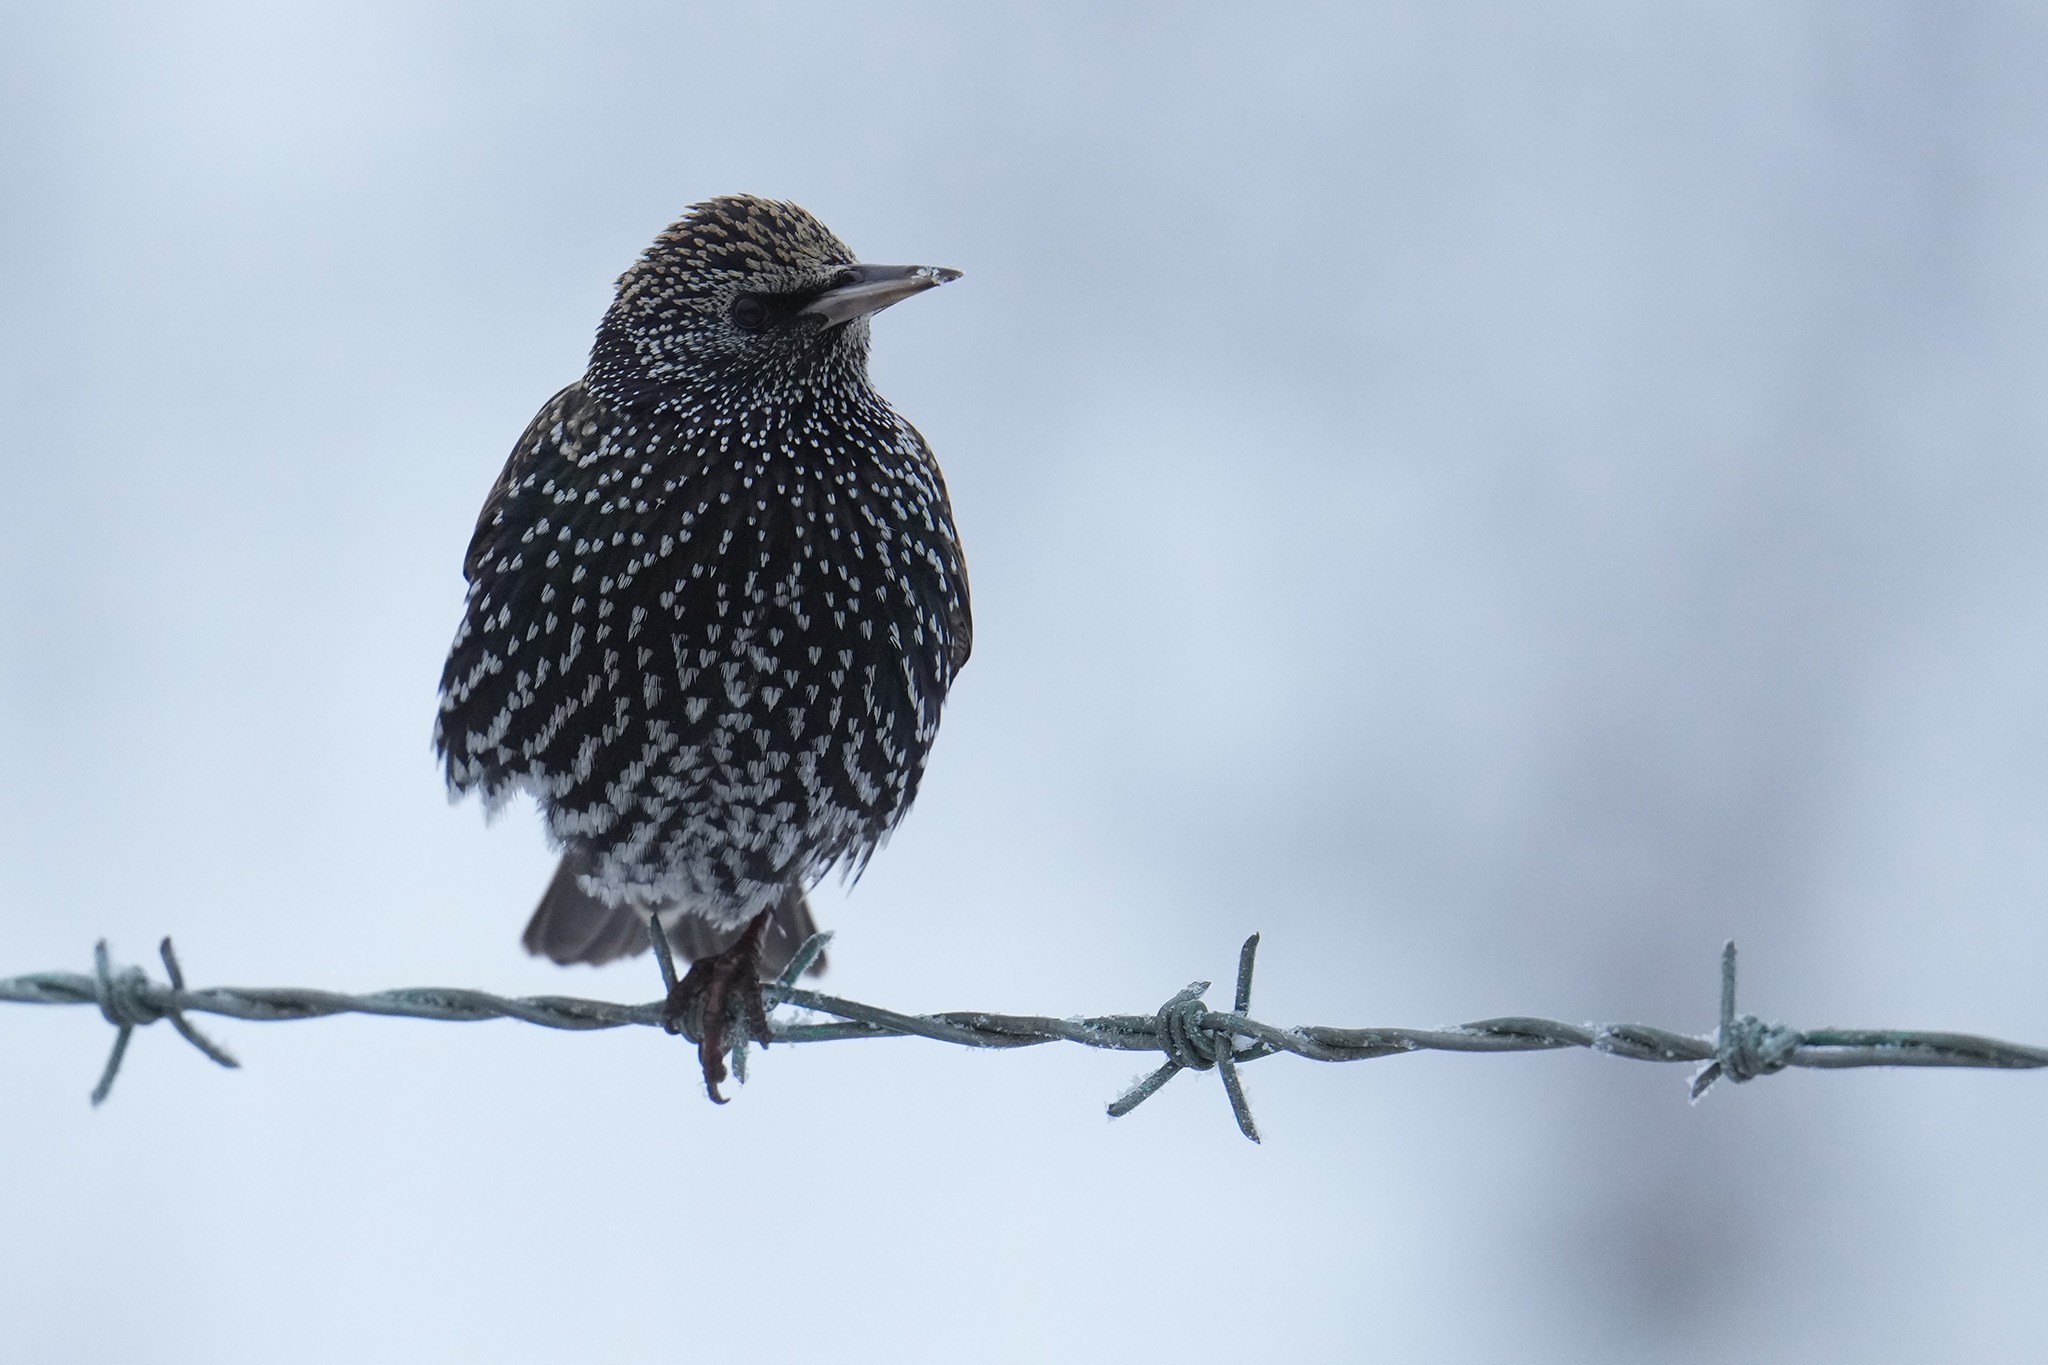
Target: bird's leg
723, 984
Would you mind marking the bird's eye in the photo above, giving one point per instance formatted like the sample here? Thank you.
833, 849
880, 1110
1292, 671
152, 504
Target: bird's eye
749, 314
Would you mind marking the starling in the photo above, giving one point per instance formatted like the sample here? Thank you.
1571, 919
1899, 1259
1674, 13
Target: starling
716, 600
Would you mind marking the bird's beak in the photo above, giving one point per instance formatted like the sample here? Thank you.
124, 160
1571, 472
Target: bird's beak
862, 290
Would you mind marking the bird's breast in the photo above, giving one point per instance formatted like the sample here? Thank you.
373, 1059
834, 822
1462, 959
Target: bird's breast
688, 601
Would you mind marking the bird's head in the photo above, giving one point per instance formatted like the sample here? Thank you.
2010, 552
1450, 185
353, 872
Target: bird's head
746, 293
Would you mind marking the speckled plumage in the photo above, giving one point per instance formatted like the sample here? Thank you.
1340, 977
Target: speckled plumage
716, 597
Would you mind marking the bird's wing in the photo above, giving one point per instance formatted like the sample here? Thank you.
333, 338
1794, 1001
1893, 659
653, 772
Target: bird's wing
959, 626
539, 432
958, 605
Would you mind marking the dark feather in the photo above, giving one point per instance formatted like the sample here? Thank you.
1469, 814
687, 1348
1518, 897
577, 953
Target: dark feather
570, 925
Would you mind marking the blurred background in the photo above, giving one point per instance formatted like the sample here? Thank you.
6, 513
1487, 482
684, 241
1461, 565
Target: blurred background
1498, 498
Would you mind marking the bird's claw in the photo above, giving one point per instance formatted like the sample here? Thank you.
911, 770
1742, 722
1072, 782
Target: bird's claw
715, 993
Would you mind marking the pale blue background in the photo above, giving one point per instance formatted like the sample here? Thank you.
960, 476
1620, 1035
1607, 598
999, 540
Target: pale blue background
1498, 497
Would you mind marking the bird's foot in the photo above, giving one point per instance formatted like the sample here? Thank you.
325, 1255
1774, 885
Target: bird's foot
717, 992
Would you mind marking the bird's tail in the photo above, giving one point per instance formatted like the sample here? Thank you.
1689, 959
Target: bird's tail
571, 925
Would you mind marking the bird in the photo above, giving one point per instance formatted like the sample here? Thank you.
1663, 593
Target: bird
716, 600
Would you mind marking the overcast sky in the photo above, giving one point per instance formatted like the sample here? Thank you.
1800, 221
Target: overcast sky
1499, 498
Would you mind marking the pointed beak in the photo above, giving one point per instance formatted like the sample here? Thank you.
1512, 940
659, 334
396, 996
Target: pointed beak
862, 290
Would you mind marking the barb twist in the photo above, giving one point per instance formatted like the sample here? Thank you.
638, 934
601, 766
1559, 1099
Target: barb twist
129, 999
1194, 1038
1745, 1047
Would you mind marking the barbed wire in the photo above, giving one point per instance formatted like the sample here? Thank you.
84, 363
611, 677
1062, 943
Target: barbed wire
1190, 1035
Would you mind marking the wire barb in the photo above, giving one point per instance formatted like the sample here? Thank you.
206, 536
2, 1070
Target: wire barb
128, 998
1745, 1047
1194, 1038
1189, 1034
813, 948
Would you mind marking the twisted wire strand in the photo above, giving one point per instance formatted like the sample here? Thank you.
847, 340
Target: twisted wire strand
1190, 1035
